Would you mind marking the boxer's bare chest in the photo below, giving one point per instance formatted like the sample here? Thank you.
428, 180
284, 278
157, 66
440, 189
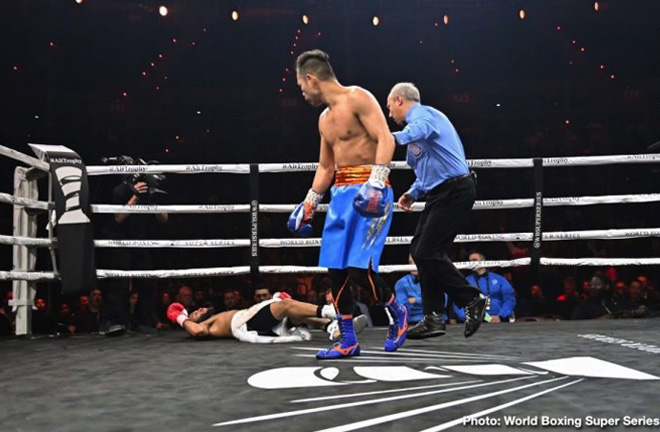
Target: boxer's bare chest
340, 124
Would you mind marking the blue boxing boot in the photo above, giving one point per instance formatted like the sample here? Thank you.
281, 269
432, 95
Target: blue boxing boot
347, 345
398, 329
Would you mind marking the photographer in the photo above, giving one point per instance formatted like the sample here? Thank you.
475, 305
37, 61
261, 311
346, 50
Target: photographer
134, 190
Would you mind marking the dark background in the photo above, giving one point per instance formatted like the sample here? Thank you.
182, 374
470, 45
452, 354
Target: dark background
80, 75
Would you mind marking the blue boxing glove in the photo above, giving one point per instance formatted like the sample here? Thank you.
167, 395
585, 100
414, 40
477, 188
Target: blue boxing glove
300, 219
370, 199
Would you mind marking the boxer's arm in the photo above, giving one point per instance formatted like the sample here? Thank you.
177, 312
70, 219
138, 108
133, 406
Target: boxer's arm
195, 329
372, 118
326, 170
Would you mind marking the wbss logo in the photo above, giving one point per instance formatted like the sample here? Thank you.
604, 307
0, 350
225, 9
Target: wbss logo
70, 180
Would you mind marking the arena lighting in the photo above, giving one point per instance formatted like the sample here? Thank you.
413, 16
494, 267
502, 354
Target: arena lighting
234, 15
445, 19
163, 11
522, 14
79, 1
375, 21
305, 19
596, 6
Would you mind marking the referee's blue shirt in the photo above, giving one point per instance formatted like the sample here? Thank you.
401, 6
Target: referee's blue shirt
435, 151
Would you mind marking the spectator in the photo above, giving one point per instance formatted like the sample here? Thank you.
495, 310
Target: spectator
261, 293
161, 311
86, 318
64, 324
133, 300
568, 299
603, 302
5, 321
43, 321
185, 297
495, 287
232, 300
537, 303
409, 294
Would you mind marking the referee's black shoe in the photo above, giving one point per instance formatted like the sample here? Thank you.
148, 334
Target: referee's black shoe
432, 325
474, 314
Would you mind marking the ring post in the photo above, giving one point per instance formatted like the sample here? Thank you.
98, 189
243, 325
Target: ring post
254, 224
537, 238
24, 257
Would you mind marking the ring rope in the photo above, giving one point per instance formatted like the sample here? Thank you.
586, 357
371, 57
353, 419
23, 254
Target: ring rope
227, 271
94, 170
611, 234
25, 202
417, 207
22, 157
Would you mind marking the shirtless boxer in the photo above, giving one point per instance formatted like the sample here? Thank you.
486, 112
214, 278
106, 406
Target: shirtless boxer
264, 322
356, 140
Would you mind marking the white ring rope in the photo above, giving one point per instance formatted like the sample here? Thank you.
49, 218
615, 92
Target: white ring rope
25, 202
227, 271
311, 166
153, 208
417, 207
22, 157
612, 234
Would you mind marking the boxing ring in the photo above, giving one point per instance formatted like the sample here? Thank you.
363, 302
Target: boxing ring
508, 377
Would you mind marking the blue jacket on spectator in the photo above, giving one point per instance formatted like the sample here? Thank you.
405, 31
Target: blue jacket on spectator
406, 287
497, 287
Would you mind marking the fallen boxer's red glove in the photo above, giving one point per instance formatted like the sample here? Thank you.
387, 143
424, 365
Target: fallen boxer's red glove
177, 313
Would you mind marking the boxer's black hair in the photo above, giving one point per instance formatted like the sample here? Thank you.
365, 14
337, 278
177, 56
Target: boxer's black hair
317, 63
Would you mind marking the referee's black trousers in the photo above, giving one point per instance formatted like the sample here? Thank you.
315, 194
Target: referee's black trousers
447, 208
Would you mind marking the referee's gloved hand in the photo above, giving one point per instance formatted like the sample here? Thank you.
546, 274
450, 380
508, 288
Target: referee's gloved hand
370, 200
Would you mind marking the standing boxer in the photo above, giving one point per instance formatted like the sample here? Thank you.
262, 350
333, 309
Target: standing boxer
354, 138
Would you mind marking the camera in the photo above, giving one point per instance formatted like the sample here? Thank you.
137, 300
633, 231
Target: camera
153, 181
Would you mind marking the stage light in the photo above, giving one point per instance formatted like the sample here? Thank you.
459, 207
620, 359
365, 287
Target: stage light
445, 19
79, 1
596, 6
234, 15
163, 11
375, 21
305, 19
522, 14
